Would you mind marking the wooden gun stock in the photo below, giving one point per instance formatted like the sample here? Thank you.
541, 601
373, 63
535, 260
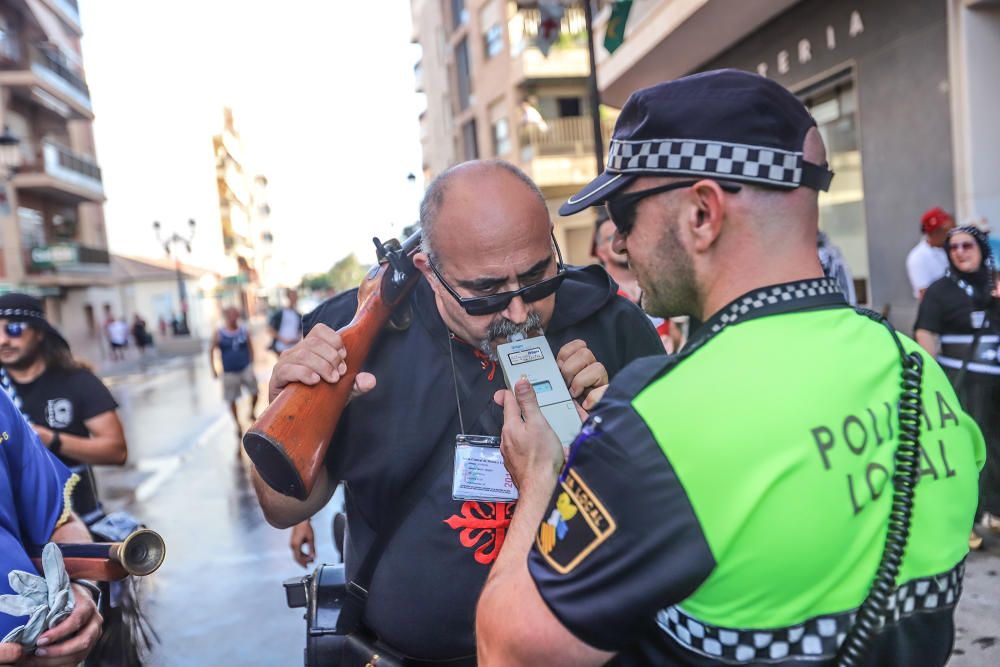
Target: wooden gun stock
140, 554
288, 442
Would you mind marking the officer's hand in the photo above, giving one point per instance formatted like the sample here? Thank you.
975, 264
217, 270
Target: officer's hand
68, 643
303, 543
581, 370
10, 653
531, 449
319, 356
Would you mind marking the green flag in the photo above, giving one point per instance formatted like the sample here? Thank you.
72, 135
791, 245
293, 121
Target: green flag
614, 33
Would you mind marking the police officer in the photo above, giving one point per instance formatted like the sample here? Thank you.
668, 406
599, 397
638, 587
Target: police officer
730, 505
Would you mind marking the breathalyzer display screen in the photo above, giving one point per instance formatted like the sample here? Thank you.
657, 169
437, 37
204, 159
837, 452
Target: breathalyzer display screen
542, 387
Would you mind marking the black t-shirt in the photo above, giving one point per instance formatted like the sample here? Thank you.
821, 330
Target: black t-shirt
947, 309
63, 400
423, 595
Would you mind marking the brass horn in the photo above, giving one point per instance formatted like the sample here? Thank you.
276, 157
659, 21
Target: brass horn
141, 553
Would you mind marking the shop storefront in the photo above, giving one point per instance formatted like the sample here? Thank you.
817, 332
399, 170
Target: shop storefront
876, 77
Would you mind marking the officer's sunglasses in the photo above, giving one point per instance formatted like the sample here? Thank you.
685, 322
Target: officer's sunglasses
494, 303
621, 209
15, 329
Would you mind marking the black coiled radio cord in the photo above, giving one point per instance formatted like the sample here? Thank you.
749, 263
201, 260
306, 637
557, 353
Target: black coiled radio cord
868, 620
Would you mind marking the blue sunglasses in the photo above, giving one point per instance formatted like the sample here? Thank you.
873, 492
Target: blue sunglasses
15, 329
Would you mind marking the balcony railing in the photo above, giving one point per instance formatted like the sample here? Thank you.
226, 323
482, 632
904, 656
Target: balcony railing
561, 136
59, 162
43, 58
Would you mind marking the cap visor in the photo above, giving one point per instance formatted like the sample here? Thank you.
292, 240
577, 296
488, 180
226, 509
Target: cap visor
597, 192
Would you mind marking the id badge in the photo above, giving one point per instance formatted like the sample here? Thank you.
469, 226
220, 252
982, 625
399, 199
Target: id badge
479, 470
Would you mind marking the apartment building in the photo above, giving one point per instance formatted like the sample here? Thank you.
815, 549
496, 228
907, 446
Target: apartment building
52, 237
491, 93
244, 215
905, 95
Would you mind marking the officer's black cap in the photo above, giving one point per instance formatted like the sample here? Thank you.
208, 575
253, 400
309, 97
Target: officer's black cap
724, 124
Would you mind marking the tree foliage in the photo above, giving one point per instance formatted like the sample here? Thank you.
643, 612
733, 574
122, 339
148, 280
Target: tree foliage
345, 274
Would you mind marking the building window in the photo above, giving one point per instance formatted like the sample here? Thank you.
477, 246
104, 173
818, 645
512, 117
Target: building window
569, 107
501, 136
489, 23
459, 14
464, 74
841, 210
470, 148
500, 127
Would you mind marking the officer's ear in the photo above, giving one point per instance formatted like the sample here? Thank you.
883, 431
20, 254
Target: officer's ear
707, 213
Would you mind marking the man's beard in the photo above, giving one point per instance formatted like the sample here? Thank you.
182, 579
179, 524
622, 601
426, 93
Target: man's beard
504, 328
671, 291
27, 358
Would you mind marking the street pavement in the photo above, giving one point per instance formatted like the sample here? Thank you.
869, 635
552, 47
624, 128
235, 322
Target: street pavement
218, 598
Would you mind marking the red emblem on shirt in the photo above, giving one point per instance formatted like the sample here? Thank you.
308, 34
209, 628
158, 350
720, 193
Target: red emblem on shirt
483, 526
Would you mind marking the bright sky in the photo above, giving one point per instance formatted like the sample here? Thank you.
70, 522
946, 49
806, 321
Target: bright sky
323, 96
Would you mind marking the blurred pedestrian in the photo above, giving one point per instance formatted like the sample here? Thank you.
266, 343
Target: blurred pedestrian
835, 266
140, 334
959, 322
34, 510
118, 333
236, 350
286, 325
928, 261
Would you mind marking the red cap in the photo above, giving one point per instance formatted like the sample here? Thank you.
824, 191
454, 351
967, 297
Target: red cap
933, 219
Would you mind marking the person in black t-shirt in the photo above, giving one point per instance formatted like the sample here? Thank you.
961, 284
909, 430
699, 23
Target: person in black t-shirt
959, 322
69, 407
490, 268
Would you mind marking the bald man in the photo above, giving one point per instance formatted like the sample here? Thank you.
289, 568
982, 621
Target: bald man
490, 268
729, 505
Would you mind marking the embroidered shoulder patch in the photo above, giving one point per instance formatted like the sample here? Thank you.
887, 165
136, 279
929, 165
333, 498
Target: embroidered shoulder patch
576, 524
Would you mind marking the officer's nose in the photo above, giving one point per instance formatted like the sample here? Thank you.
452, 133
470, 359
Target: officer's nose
516, 311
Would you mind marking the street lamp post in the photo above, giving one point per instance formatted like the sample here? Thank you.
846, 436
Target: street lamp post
168, 246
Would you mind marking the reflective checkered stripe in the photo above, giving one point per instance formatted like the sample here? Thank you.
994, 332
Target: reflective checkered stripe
21, 312
773, 296
816, 639
744, 162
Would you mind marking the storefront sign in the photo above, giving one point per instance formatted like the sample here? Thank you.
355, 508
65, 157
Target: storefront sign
804, 48
55, 255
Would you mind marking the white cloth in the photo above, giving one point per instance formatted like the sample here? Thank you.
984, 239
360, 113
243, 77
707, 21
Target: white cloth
46, 601
118, 332
924, 265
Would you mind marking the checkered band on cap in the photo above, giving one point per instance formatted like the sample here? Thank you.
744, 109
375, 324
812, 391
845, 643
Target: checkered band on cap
818, 638
772, 296
21, 312
713, 159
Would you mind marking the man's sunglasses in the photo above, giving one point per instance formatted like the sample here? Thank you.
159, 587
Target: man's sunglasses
494, 303
961, 245
15, 329
621, 209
